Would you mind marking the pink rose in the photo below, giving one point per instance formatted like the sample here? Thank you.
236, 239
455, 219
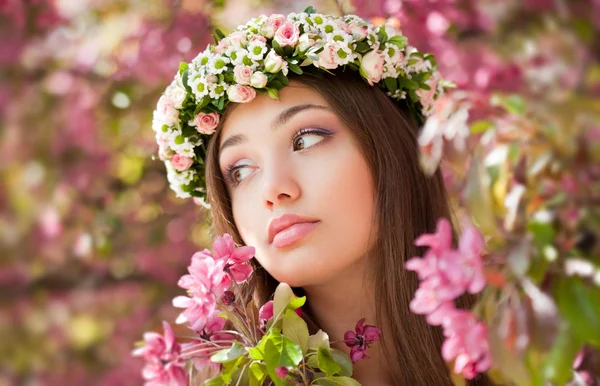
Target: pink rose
242, 74
237, 39
240, 94
327, 58
206, 123
181, 162
357, 29
371, 66
426, 96
276, 20
167, 113
257, 39
288, 34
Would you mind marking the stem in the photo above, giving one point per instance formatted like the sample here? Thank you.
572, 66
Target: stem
249, 329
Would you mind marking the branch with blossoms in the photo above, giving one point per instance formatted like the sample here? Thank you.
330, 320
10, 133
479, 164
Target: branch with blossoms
528, 192
239, 343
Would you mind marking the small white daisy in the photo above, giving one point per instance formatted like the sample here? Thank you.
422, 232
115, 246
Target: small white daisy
217, 64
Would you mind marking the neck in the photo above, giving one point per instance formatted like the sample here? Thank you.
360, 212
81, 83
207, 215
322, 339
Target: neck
336, 306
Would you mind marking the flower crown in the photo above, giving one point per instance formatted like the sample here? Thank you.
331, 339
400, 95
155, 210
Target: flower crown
257, 58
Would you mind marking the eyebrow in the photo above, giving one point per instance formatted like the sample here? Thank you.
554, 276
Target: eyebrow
281, 120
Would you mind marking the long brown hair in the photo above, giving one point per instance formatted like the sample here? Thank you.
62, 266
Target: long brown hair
408, 203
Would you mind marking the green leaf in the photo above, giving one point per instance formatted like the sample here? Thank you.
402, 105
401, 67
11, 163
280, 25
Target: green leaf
217, 381
342, 359
481, 126
182, 67
362, 47
257, 373
219, 33
229, 354
285, 298
579, 304
232, 368
295, 328
295, 68
280, 351
513, 103
408, 83
543, 233
278, 49
337, 381
273, 93
309, 10
391, 84
326, 362
558, 367
399, 41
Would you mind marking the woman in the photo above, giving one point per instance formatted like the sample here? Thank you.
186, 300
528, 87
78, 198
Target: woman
324, 182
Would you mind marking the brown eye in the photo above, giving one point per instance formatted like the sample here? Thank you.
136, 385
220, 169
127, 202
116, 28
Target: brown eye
306, 141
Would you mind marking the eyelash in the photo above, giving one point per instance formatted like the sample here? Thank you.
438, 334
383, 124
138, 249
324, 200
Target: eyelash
230, 169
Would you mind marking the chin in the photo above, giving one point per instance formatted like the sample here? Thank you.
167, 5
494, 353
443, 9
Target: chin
300, 266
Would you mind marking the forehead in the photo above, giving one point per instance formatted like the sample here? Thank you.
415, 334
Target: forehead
262, 110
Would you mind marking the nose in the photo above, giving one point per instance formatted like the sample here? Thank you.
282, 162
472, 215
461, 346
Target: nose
280, 185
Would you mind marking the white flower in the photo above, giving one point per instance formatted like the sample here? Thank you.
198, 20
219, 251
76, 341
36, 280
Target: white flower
330, 28
343, 53
258, 80
257, 49
217, 64
305, 42
216, 90
273, 62
201, 60
199, 87
176, 94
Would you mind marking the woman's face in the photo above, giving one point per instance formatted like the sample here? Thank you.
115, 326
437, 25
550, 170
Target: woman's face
295, 157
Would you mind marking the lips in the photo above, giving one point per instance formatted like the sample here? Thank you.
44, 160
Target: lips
289, 228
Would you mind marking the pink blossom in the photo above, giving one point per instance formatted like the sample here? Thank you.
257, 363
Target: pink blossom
181, 162
224, 249
446, 273
198, 351
164, 366
265, 313
205, 123
466, 343
240, 94
360, 339
242, 74
282, 371
206, 282
287, 34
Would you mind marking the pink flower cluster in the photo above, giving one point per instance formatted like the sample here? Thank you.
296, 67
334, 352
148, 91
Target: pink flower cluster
210, 275
164, 365
446, 274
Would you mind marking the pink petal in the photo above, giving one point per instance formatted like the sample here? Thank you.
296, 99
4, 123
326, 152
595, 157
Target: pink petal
169, 336
350, 338
444, 311
223, 247
451, 348
371, 333
359, 327
242, 254
266, 311
182, 302
241, 272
